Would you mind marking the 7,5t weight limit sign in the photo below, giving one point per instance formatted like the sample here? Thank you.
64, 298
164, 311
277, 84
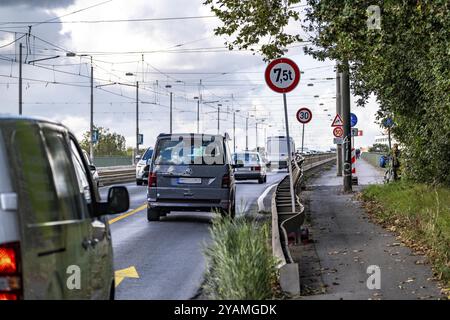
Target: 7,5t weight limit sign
282, 75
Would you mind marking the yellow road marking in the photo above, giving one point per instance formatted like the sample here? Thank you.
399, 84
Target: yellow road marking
123, 216
129, 272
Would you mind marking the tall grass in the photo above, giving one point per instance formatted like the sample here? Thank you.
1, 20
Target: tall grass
421, 213
240, 263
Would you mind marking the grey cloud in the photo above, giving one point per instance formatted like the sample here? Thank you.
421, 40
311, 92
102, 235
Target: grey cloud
48, 4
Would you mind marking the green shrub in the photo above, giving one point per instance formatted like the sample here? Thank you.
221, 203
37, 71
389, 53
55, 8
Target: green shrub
240, 263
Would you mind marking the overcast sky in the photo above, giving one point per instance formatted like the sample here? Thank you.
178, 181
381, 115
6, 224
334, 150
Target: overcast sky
179, 53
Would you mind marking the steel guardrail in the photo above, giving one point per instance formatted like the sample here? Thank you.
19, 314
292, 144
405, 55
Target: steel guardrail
113, 175
284, 221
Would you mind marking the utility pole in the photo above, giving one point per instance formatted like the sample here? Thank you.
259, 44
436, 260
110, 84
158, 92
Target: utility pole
218, 120
137, 118
338, 111
198, 115
256, 135
171, 112
20, 79
234, 131
389, 138
91, 126
246, 133
347, 146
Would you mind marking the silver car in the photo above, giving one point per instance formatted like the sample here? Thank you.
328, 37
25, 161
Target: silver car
190, 172
55, 241
253, 167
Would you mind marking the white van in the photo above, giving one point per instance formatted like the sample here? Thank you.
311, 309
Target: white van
277, 151
55, 242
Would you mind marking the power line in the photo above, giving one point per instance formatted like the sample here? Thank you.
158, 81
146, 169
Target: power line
27, 23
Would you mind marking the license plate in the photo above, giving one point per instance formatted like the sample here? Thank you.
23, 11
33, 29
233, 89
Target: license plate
189, 180
244, 169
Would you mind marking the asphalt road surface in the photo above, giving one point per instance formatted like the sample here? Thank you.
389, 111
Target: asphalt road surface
164, 260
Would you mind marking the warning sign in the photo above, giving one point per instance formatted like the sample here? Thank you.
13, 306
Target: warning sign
337, 122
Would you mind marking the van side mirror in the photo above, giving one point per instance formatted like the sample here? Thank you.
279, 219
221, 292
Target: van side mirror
118, 202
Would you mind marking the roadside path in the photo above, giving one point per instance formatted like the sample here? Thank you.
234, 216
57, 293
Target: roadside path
346, 243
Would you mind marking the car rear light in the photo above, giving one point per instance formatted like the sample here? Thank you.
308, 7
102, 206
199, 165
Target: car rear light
8, 296
226, 181
152, 179
257, 168
10, 272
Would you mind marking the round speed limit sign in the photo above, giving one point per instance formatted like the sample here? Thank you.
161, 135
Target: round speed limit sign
282, 75
304, 115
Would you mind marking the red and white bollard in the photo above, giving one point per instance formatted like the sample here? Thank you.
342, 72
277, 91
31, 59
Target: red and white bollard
354, 177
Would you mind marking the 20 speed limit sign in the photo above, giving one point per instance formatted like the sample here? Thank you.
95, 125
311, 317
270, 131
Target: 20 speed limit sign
338, 132
304, 115
282, 75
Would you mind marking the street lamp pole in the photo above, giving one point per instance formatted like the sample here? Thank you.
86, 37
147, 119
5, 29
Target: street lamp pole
234, 131
20, 78
91, 126
246, 133
137, 117
171, 112
198, 115
218, 120
256, 135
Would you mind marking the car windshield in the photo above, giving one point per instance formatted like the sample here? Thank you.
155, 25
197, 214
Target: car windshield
246, 158
190, 150
148, 154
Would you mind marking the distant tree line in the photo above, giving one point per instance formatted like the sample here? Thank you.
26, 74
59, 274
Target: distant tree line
109, 143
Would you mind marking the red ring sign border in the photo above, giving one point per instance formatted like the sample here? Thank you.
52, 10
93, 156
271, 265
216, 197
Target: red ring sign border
269, 69
298, 115
338, 132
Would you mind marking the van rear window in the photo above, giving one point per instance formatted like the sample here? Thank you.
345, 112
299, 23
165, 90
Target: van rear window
190, 150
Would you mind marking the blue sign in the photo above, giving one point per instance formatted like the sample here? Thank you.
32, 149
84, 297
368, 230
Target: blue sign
95, 136
353, 119
140, 138
388, 122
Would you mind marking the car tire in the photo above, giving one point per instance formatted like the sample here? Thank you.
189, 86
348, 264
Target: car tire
261, 180
153, 214
112, 291
265, 179
139, 182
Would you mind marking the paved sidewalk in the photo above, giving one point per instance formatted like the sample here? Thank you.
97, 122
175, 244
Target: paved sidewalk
346, 243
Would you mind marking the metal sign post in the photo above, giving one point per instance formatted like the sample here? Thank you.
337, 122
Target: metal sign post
291, 183
303, 136
283, 75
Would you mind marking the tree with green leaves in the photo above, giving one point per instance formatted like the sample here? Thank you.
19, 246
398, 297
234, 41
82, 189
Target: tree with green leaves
109, 144
405, 63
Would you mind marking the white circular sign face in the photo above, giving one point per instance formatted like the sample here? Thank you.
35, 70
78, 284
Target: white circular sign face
282, 75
